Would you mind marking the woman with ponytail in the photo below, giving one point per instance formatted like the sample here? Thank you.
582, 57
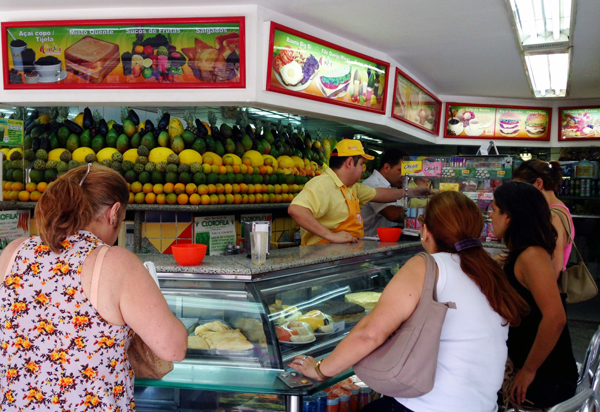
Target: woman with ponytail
473, 349
70, 302
540, 347
546, 177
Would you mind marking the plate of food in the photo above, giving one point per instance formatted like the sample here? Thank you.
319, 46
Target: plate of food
320, 323
295, 69
295, 333
335, 83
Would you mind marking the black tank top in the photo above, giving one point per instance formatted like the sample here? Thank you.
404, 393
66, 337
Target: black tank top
560, 364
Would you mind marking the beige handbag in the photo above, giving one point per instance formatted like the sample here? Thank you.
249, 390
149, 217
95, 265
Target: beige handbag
576, 281
404, 366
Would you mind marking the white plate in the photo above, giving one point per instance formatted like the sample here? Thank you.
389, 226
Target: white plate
469, 131
298, 87
61, 76
298, 343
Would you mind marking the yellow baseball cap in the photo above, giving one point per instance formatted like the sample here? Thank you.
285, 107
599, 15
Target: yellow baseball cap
349, 147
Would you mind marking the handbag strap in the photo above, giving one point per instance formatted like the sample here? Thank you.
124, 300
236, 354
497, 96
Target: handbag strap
563, 218
430, 286
96, 275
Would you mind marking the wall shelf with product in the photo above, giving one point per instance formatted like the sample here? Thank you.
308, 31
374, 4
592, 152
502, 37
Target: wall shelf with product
474, 176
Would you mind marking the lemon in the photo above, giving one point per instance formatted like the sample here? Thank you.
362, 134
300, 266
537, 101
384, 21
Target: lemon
146, 62
137, 60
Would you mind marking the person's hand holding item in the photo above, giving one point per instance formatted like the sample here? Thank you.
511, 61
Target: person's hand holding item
523, 379
418, 191
342, 237
306, 366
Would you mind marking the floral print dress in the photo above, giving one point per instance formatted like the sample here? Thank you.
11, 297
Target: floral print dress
56, 352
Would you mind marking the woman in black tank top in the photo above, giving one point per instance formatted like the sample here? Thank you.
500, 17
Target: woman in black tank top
540, 347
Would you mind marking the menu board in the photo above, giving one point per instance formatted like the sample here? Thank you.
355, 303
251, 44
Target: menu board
497, 122
579, 123
305, 66
157, 53
415, 105
11, 132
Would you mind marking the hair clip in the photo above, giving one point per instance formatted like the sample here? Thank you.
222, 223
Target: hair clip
86, 174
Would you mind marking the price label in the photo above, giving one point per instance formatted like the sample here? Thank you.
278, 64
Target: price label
466, 172
501, 172
449, 186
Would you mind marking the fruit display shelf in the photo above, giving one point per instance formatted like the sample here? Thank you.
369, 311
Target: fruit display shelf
14, 205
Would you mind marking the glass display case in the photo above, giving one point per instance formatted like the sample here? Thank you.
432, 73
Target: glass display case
240, 322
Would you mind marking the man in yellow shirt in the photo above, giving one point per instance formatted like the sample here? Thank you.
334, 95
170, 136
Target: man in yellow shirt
328, 208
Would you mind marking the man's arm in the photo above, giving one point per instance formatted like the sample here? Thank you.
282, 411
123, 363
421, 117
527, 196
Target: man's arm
304, 217
393, 213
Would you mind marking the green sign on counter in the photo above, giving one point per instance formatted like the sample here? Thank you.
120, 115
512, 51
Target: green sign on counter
216, 232
11, 132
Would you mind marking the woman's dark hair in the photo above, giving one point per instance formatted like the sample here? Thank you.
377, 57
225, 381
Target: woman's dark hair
531, 170
451, 217
530, 218
335, 162
66, 206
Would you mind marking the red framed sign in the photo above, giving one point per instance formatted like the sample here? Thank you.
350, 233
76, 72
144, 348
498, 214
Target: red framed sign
481, 121
415, 105
579, 123
148, 53
304, 66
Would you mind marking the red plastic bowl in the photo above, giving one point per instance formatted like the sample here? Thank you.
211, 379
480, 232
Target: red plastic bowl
189, 255
389, 234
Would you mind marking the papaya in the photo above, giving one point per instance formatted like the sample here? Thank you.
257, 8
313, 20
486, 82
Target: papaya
129, 128
246, 142
199, 146
63, 135
122, 143
148, 141
163, 139
210, 144
72, 143
177, 145
226, 131
111, 139
219, 149
37, 132
54, 143
229, 145
175, 127
85, 139
27, 142
98, 143
136, 140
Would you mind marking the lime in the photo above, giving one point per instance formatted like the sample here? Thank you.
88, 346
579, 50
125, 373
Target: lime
199, 178
212, 178
147, 63
147, 73
222, 179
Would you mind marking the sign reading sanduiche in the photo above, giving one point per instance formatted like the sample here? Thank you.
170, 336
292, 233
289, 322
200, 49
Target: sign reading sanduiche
13, 225
468, 121
305, 66
150, 53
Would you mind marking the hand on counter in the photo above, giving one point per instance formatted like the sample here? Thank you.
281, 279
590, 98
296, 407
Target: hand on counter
306, 366
342, 237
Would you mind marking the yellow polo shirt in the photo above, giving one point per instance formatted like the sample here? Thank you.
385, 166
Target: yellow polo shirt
323, 196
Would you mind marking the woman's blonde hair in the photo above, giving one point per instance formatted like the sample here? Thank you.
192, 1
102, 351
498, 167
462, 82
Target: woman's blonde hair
72, 202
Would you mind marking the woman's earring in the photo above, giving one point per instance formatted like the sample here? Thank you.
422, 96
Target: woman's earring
112, 222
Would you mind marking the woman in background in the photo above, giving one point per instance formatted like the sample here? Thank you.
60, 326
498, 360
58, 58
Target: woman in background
540, 347
546, 177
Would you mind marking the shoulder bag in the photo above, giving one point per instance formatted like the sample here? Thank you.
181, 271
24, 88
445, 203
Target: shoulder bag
404, 366
576, 281
143, 361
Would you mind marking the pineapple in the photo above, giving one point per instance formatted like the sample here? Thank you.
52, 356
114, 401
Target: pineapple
189, 119
97, 117
64, 113
212, 119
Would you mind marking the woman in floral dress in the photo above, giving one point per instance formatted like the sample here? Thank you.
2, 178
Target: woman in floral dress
58, 351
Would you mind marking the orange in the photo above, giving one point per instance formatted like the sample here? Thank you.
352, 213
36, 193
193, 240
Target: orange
259, 198
258, 188
278, 198
128, 186
195, 199
243, 188
222, 170
271, 197
269, 170
205, 199
214, 199
168, 188
35, 196
228, 169
161, 199
158, 188
284, 188
255, 170
183, 199
212, 189
228, 188
265, 188
7, 186
179, 188
277, 189
251, 188
236, 169
247, 161
208, 159
139, 197
202, 189
14, 195
295, 188
251, 198
228, 198
244, 199
24, 196
18, 186
262, 170
237, 198
150, 198
136, 187
243, 169
171, 198
31, 187
6, 195
214, 169
148, 188
190, 189
235, 188
131, 198
221, 198
220, 188
206, 168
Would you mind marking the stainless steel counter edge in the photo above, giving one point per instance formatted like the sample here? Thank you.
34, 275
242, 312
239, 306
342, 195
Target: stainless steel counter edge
240, 267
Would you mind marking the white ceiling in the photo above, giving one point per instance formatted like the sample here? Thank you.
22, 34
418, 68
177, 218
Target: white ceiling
456, 48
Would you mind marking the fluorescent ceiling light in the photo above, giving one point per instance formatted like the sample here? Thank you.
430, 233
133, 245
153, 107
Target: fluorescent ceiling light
367, 138
548, 74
